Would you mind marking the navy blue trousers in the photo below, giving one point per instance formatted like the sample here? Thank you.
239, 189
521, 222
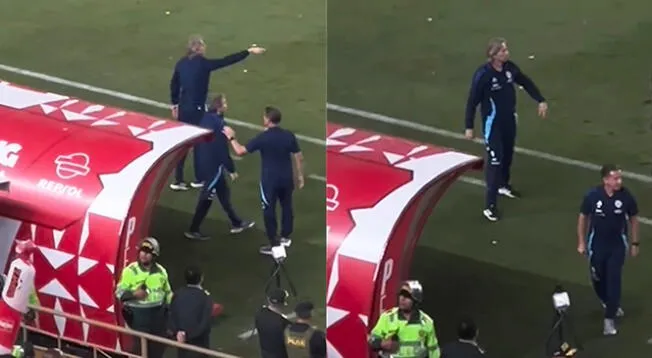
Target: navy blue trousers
190, 116
606, 276
218, 188
499, 144
270, 194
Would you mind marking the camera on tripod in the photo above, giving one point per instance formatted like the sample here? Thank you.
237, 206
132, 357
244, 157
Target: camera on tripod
562, 332
560, 299
279, 254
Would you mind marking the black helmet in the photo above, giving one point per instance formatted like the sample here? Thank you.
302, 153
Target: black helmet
413, 290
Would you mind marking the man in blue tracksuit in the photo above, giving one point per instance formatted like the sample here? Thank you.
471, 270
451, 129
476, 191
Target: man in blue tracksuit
603, 235
278, 150
493, 89
214, 162
189, 90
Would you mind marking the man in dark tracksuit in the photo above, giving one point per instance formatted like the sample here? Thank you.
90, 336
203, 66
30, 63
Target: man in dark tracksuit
493, 89
191, 313
189, 90
278, 149
602, 234
213, 162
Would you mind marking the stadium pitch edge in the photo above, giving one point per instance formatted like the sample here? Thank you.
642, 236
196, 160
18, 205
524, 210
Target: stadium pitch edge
337, 108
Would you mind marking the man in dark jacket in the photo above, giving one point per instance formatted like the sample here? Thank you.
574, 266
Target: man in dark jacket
466, 345
191, 313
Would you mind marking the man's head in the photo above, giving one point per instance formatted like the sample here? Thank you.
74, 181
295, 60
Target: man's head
277, 297
148, 250
193, 275
272, 117
467, 330
196, 45
497, 50
612, 177
219, 103
303, 310
410, 294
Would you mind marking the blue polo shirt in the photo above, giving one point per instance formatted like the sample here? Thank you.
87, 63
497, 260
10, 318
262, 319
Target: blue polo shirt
608, 218
276, 146
213, 155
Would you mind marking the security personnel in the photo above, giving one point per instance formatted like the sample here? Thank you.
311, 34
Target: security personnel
271, 324
145, 292
302, 339
405, 331
606, 212
279, 150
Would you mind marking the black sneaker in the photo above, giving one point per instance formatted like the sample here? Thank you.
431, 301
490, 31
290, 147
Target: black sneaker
243, 226
491, 214
286, 241
509, 192
196, 236
180, 186
197, 184
265, 250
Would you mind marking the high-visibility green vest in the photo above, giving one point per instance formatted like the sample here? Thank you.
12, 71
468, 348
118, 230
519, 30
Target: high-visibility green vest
156, 280
18, 352
297, 344
416, 339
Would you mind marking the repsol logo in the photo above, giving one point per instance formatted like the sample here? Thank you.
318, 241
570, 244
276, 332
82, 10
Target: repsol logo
9, 153
59, 189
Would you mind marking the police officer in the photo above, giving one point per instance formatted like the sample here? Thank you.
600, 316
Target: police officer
302, 339
405, 330
278, 150
271, 324
602, 234
144, 290
466, 345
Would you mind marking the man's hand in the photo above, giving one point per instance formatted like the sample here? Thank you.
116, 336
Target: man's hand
300, 181
181, 337
543, 109
468, 134
256, 50
175, 112
389, 345
140, 294
228, 132
634, 250
581, 248
233, 176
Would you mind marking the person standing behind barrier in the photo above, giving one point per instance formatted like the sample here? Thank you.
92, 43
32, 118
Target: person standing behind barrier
191, 313
144, 291
189, 91
278, 149
466, 345
271, 323
302, 339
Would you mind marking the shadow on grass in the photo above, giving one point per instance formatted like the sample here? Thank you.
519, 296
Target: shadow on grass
513, 309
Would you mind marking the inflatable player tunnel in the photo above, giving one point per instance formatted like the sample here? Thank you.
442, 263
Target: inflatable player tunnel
83, 180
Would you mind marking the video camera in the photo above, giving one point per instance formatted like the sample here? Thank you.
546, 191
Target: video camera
560, 299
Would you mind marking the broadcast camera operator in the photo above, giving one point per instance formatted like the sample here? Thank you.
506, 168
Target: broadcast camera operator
271, 324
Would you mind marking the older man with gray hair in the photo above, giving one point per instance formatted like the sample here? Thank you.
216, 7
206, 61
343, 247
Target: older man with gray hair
189, 90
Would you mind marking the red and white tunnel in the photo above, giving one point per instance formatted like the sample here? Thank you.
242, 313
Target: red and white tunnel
380, 192
83, 180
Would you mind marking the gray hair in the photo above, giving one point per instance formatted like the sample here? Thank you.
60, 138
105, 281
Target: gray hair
194, 42
494, 46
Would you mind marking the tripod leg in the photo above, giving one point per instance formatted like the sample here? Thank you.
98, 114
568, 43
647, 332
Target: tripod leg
293, 288
573, 334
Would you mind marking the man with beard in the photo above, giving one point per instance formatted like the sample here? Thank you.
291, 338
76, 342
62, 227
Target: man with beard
405, 330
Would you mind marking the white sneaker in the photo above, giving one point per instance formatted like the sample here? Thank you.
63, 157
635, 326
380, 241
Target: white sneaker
179, 186
609, 328
286, 241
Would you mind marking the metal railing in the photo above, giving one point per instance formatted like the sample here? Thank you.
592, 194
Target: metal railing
101, 351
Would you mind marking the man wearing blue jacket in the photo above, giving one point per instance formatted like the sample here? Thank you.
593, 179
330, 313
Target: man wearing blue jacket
189, 91
213, 163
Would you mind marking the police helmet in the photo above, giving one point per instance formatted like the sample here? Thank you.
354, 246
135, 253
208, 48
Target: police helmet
151, 246
413, 290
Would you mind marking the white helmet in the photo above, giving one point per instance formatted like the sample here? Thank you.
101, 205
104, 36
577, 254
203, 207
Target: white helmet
150, 244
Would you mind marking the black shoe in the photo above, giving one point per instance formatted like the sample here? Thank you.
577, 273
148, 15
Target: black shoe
179, 186
491, 214
509, 192
196, 236
243, 226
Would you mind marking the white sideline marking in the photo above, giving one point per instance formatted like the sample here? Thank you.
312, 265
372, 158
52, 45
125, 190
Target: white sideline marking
450, 134
334, 107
